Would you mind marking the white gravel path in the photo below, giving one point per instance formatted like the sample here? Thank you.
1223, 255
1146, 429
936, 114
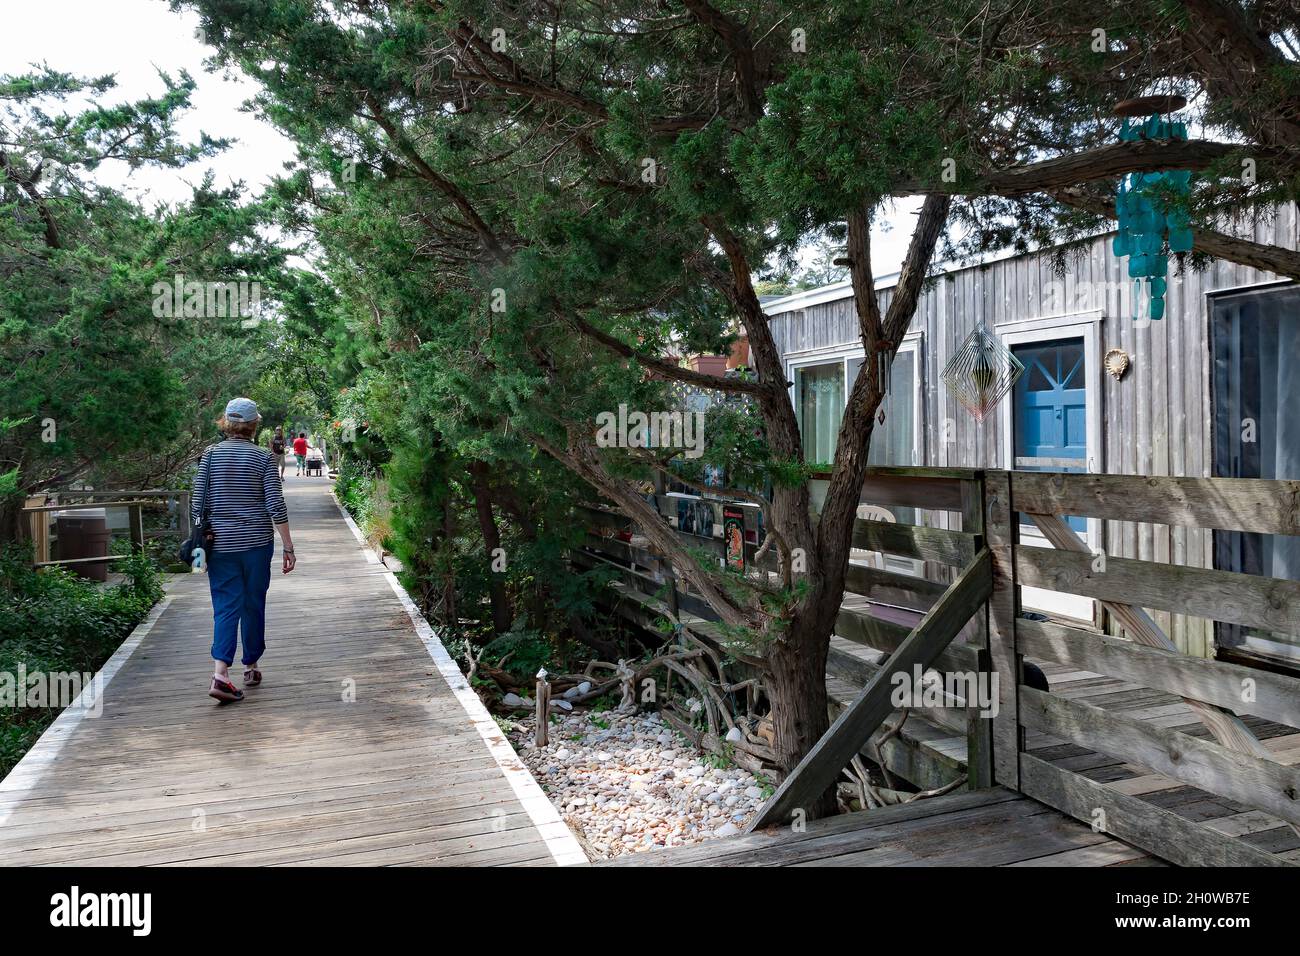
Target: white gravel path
626, 783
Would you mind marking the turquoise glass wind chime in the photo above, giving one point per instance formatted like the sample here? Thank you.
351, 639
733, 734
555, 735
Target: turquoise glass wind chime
1151, 207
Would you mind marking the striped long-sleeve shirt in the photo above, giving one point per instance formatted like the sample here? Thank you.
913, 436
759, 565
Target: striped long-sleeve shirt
246, 501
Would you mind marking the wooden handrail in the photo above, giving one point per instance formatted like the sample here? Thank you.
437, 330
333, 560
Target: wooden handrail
1254, 779
63, 562
93, 505
1276, 696
1265, 506
1226, 726
148, 492
860, 719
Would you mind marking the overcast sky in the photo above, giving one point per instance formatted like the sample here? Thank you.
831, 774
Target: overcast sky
133, 39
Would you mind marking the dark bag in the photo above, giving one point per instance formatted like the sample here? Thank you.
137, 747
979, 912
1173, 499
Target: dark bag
202, 536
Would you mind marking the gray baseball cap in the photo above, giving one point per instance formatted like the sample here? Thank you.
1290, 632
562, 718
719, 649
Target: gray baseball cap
241, 410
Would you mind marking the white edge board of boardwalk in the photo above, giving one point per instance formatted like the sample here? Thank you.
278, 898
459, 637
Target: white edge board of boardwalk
27, 772
559, 838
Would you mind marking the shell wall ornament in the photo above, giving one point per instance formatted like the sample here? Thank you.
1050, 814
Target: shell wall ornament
1116, 363
1151, 208
982, 372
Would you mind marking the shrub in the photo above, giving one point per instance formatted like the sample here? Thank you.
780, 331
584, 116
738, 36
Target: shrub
51, 621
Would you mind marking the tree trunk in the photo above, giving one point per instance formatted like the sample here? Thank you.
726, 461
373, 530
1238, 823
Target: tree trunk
797, 687
10, 520
502, 614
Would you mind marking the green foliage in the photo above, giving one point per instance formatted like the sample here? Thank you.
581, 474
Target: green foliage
521, 651
355, 488
498, 227
87, 322
52, 621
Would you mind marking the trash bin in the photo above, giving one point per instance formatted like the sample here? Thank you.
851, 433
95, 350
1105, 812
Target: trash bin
84, 534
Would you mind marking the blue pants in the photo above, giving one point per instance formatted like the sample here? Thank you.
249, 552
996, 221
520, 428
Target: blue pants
238, 581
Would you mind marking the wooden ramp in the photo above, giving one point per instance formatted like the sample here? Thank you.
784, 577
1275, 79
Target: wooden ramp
1262, 835
994, 827
364, 745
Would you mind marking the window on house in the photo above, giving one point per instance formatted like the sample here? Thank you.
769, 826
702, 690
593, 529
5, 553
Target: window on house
820, 390
1256, 417
820, 397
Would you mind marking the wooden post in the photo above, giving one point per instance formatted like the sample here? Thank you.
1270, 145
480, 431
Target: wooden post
1003, 605
135, 517
543, 709
979, 729
38, 527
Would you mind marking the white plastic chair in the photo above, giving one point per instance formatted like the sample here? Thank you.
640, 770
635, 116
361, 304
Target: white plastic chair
873, 513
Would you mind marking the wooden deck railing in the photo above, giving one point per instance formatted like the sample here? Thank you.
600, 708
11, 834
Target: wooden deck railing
990, 567
1234, 765
643, 573
135, 502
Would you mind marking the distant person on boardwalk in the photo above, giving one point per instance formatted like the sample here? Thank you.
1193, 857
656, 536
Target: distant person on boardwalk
279, 446
238, 485
300, 452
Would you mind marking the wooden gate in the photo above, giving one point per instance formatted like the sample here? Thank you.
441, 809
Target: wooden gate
1186, 733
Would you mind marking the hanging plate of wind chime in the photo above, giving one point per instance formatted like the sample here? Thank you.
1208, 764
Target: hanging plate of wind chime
1151, 207
982, 372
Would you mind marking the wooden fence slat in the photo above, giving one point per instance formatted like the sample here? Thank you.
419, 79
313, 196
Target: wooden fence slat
1229, 504
855, 670
1276, 696
1227, 727
643, 584
1269, 603
979, 729
1142, 824
861, 628
1257, 782
888, 587
1004, 657
957, 548
936, 488
859, 720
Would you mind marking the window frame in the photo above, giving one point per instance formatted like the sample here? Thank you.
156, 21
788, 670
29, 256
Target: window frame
826, 355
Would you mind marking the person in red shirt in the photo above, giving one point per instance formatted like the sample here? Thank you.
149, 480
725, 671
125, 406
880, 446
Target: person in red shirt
300, 451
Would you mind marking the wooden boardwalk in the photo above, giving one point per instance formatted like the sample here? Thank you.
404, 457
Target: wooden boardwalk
1254, 828
364, 745
995, 827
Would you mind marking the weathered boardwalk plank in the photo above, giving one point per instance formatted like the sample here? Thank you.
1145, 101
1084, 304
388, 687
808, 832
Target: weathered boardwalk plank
993, 827
411, 770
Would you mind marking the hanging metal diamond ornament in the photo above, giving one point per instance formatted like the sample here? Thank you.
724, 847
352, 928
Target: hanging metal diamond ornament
982, 372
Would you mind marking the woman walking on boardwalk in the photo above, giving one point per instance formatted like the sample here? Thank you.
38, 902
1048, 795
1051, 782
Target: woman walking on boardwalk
239, 489
279, 447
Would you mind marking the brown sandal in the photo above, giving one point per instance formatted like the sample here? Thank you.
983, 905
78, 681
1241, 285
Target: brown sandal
225, 691
252, 677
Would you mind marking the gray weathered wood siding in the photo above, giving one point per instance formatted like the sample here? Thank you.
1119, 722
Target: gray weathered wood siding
1155, 421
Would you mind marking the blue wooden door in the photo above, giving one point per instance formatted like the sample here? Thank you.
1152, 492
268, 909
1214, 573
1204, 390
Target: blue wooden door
1051, 409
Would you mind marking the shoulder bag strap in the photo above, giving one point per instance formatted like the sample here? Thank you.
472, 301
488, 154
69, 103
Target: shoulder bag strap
207, 487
